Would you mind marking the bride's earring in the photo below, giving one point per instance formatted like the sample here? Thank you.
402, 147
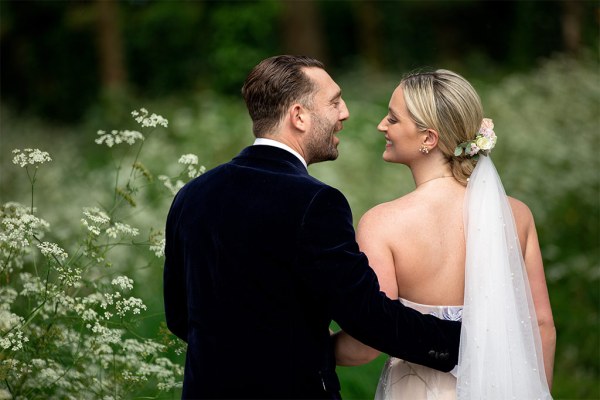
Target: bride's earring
424, 149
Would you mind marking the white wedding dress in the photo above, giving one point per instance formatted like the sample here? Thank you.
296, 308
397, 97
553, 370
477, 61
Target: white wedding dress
500, 355
403, 380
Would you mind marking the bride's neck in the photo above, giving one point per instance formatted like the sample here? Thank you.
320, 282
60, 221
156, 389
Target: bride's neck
430, 171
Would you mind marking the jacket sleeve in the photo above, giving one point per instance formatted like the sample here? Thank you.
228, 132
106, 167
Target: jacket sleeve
174, 288
332, 266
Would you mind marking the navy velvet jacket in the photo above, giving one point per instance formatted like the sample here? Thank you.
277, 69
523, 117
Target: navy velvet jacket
260, 258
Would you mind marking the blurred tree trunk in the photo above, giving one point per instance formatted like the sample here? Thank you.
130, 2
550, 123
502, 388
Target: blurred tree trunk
302, 31
571, 25
369, 37
110, 44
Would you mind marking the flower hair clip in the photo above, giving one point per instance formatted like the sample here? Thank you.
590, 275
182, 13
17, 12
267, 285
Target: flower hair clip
484, 141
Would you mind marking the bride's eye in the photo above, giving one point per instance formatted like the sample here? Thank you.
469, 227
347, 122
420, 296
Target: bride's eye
391, 120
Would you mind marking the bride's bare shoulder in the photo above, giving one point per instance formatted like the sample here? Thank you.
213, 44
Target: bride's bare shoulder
523, 219
521, 211
390, 214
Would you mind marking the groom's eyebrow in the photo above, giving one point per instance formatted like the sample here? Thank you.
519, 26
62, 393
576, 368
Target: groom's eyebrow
336, 95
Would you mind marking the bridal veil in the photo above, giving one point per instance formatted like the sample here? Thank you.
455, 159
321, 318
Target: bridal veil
500, 354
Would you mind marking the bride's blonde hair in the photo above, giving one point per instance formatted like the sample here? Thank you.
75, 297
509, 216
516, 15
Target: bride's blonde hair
445, 102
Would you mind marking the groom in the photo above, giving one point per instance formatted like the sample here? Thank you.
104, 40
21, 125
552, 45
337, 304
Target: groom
261, 257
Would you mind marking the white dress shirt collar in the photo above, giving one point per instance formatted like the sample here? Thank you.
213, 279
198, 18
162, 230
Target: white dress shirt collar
275, 143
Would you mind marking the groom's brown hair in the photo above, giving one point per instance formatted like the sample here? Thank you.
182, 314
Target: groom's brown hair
273, 86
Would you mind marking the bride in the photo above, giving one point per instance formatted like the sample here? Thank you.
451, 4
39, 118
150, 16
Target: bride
459, 248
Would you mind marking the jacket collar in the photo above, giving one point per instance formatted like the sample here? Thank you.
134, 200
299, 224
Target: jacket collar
271, 157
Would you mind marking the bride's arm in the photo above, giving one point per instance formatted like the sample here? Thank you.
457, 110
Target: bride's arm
537, 281
370, 235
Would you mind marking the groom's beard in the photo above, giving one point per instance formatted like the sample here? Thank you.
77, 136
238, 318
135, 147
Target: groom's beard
321, 145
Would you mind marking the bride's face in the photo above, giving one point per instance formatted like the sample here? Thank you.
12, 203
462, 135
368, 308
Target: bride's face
402, 137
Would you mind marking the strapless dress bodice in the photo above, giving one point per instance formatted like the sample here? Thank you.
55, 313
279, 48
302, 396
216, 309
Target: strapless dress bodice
450, 313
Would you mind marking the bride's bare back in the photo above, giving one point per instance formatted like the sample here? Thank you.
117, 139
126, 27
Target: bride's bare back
416, 243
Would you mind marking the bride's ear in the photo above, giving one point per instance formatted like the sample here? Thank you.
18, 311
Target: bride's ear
431, 138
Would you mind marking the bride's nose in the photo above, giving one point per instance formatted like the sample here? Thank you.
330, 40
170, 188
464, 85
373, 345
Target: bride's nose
382, 126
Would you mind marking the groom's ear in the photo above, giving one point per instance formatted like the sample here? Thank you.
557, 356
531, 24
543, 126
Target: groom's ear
431, 138
299, 117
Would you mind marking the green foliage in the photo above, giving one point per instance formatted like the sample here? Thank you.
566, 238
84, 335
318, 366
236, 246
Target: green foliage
52, 63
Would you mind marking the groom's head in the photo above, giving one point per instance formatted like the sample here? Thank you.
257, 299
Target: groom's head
294, 100
273, 86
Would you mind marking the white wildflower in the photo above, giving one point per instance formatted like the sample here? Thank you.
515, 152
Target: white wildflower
34, 157
131, 304
123, 282
32, 285
13, 340
18, 225
105, 334
121, 228
48, 376
158, 248
146, 121
94, 214
38, 363
187, 159
7, 297
128, 376
118, 137
94, 219
52, 249
8, 320
173, 188
191, 160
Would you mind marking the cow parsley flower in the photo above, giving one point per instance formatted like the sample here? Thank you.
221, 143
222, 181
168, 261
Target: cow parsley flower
122, 229
173, 188
18, 226
105, 334
131, 304
191, 160
13, 340
118, 137
32, 285
94, 219
52, 250
188, 159
123, 282
145, 121
8, 320
34, 157
158, 248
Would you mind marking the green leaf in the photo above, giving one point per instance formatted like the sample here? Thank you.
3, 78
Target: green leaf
458, 151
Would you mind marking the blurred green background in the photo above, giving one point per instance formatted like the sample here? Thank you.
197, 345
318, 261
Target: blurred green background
69, 68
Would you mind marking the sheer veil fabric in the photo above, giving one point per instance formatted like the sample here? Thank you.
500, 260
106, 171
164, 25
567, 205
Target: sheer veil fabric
500, 353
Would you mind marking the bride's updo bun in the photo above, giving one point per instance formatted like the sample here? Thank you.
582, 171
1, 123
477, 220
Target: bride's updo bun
445, 102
